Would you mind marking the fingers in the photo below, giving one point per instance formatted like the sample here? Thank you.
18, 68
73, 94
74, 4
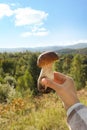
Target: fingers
59, 78
58, 74
50, 83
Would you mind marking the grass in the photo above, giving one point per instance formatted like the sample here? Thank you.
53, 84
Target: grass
39, 113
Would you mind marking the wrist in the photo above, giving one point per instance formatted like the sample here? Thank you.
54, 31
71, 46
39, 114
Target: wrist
69, 105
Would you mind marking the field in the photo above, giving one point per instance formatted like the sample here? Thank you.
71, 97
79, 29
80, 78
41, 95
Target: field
20, 107
44, 112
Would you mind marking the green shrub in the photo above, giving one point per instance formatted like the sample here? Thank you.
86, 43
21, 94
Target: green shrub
10, 80
7, 93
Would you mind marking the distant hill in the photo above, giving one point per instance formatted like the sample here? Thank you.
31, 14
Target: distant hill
78, 46
35, 49
73, 51
61, 49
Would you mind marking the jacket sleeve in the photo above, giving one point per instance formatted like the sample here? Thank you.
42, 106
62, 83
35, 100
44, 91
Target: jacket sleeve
77, 118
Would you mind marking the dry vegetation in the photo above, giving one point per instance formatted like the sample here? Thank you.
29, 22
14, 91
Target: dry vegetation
20, 109
36, 113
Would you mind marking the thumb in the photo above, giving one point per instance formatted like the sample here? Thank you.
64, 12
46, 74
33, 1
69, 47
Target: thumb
50, 83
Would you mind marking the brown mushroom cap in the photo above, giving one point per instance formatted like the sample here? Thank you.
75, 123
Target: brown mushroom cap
47, 58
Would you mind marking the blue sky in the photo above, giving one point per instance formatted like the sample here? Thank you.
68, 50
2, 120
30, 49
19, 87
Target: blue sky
31, 23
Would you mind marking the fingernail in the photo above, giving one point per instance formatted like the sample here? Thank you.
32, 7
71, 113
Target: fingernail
44, 81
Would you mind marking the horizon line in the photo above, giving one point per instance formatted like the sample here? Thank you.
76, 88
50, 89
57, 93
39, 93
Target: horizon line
41, 46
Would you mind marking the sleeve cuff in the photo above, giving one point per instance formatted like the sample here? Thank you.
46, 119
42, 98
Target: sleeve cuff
72, 108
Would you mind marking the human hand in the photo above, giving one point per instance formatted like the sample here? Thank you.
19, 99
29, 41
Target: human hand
64, 86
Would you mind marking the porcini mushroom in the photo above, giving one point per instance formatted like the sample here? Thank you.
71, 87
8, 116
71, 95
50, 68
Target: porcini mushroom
45, 61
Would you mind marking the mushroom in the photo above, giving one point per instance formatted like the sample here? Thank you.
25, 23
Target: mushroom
45, 61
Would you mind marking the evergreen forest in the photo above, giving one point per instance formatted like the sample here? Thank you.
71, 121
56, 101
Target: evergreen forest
19, 96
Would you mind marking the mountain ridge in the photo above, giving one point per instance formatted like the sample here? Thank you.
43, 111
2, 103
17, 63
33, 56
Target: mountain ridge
45, 48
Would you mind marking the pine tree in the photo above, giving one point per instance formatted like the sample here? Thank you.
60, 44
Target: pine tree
77, 71
34, 70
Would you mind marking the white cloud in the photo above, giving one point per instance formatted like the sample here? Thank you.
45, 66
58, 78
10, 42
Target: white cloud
28, 16
23, 16
27, 34
13, 4
31, 18
5, 10
43, 33
36, 32
34, 19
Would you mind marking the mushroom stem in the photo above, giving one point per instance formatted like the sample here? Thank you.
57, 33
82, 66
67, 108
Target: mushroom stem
47, 71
